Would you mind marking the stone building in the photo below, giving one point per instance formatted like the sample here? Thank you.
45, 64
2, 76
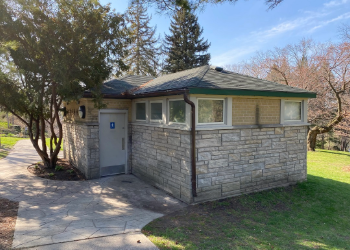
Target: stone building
199, 134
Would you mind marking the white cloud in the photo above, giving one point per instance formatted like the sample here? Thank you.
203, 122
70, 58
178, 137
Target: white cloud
334, 3
234, 55
324, 23
300, 26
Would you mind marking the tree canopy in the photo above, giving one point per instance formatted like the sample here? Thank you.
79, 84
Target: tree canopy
143, 50
185, 48
62, 48
172, 5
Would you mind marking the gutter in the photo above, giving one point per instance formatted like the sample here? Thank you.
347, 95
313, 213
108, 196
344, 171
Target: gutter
193, 145
131, 96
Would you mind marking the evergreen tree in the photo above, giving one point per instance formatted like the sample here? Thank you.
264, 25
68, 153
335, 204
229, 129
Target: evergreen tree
185, 49
143, 50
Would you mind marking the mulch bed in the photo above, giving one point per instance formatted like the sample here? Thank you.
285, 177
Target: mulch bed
8, 216
64, 171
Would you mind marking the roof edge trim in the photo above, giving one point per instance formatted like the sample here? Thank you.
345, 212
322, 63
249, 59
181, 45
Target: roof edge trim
244, 92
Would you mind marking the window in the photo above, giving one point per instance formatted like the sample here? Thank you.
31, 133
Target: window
156, 111
292, 111
141, 111
177, 111
210, 111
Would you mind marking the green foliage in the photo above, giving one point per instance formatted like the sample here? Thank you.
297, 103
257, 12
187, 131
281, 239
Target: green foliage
311, 215
143, 50
169, 5
70, 171
63, 48
58, 168
184, 47
51, 174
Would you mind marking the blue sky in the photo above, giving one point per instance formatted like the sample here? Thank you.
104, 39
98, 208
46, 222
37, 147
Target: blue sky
237, 31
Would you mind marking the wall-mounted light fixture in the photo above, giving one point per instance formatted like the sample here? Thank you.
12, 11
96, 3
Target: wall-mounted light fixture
82, 112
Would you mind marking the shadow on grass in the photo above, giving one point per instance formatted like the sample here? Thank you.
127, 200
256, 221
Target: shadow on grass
344, 153
313, 214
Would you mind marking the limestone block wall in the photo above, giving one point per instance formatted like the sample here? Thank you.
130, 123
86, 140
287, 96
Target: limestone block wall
81, 147
239, 161
161, 156
245, 112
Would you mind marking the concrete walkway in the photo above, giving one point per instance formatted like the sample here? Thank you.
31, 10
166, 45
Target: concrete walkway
64, 211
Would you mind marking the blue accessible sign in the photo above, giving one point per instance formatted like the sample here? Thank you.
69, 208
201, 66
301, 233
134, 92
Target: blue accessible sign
112, 125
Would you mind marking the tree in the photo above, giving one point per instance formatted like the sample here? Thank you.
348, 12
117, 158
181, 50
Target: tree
171, 5
63, 47
321, 68
184, 47
334, 63
143, 51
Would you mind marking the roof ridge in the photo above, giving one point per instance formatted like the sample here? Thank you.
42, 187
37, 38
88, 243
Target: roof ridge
205, 72
139, 87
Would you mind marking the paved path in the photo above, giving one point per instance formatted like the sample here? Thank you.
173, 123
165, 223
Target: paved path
63, 211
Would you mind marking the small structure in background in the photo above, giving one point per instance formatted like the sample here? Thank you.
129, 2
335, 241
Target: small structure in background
199, 134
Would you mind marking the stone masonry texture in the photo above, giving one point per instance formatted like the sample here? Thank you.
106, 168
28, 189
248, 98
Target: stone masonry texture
81, 148
161, 157
234, 162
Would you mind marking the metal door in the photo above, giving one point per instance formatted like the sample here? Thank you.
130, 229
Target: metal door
112, 143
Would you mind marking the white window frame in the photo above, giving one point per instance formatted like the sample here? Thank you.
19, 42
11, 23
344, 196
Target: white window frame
303, 112
212, 123
168, 112
145, 102
150, 111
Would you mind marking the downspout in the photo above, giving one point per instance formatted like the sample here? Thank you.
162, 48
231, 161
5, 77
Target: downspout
193, 145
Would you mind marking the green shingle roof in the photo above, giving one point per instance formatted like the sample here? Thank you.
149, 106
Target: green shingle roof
123, 84
203, 80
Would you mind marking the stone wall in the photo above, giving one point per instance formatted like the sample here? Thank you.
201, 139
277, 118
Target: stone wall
245, 112
161, 156
234, 162
81, 147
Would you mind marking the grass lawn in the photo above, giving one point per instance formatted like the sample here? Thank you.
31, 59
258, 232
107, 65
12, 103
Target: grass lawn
3, 125
7, 143
311, 215
48, 144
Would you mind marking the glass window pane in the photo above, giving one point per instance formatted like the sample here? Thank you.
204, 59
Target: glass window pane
177, 111
141, 111
156, 111
210, 111
292, 111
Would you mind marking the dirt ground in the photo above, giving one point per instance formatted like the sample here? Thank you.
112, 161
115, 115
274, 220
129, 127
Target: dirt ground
346, 169
8, 216
64, 171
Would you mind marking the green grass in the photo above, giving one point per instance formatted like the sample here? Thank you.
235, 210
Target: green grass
3, 125
311, 215
7, 143
48, 144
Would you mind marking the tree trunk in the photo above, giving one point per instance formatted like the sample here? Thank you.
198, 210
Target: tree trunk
311, 139
322, 146
8, 120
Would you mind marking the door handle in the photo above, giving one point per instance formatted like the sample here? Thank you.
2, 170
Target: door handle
123, 143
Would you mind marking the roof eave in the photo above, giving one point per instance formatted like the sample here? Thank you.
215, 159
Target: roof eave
245, 92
